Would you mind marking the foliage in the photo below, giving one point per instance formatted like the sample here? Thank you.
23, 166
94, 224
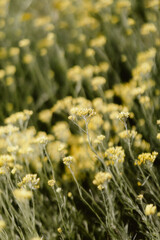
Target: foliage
79, 112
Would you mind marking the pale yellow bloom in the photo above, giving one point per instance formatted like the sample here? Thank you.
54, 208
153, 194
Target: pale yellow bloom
140, 197
146, 157
148, 28
27, 59
150, 209
14, 51
68, 160
123, 116
101, 177
59, 230
24, 42
22, 194
51, 182
2, 225
98, 82
45, 115
69, 194
10, 70
98, 41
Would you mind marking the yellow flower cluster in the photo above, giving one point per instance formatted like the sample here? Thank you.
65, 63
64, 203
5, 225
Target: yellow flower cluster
148, 28
99, 139
123, 116
19, 117
41, 140
22, 194
30, 180
6, 160
8, 130
83, 112
100, 179
128, 134
146, 157
114, 155
68, 160
98, 41
98, 82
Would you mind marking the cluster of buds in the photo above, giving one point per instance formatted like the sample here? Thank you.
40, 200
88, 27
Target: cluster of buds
128, 134
114, 155
8, 130
149, 157
19, 117
68, 160
99, 139
6, 160
100, 179
98, 82
123, 116
30, 180
82, 112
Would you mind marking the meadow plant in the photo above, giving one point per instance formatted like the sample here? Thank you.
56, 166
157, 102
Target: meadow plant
79, 112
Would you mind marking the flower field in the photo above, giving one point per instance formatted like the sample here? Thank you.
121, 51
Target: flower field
79, 120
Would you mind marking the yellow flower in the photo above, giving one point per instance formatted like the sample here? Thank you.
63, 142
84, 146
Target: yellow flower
98, 41
140, 197
68, 160
31, 181
69, 194
51, 182
24, 42
123, 116
22, 194
10, 70
148, 28
59, 230
99, 139
13, 51
83, 112
45, 116
114, 155
139, 184
98, 82
101, 177
2, 225
150, 209
90, 52
145, 157
27, 59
